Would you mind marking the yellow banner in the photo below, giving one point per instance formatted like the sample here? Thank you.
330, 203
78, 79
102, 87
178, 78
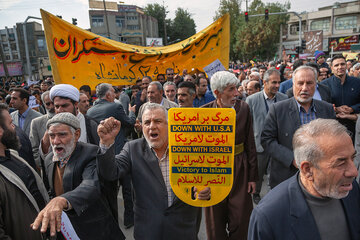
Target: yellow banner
201, 152
80, 57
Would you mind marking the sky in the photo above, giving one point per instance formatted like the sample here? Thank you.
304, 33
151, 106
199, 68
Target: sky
203, 11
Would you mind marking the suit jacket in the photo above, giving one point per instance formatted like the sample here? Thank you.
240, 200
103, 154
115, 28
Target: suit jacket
103, 109
90, 214
324, 92
25, 150
37, 131
29, 117
283, 214
258, 111
154, 219
281, 123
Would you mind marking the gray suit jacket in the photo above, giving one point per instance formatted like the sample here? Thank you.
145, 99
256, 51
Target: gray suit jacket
154, 219
324, 92
37, 131
281, 123
258, 111
30, 116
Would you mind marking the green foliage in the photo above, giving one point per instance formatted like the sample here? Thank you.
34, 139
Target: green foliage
233, 7
182, 27
258, 37
159, 12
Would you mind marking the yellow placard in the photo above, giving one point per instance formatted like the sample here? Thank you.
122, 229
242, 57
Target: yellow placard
80, 57
201, 152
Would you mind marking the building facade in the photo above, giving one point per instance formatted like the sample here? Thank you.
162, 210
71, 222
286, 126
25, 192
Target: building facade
127, 23
10, 53
339, 23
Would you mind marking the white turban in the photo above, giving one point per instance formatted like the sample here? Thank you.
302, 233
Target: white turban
64, 90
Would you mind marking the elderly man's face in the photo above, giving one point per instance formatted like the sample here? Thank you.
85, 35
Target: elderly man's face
49, 105
155, 128
62, 140
228, 96
64, 105
84, 104
335, 171
251, 89
271, 87
357, 72
154, 94
170, 92
304, 86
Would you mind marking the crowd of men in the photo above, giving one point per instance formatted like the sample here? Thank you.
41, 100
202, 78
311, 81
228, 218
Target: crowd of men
65, 149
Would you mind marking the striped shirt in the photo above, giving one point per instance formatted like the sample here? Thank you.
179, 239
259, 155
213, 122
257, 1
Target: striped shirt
306, 117
164, 167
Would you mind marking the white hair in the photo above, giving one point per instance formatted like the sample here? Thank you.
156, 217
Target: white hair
220, 80
305, 144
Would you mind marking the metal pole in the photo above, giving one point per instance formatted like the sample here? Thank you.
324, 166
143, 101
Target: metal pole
26, 45
107, 22
165, 34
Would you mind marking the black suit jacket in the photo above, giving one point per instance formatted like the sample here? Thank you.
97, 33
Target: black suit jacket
324, 92
281, 123
154, 219
90, 215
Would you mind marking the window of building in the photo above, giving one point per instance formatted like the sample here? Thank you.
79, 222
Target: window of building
97, 21
120, 21
3, 38
131, 18
348, 22
13, 46
323, 24
133, 27
11, 37
41, 44
7, 57
122, 39
294, 29
15, 56
5, 47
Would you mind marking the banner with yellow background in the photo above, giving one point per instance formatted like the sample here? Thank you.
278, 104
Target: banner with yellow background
80, 57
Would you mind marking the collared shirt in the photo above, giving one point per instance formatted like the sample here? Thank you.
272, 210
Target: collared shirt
83, 135
208, 97
306, 117
269, 101
317, 95
22, 118
164, 167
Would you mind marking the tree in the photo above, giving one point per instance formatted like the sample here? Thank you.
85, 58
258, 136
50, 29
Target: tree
159, 12
233, 7
259, 37
182, 27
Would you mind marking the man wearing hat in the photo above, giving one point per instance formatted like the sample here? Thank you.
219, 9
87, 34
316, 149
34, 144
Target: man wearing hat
74, 184
66, 98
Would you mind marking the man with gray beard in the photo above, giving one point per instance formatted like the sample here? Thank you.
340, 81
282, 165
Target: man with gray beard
322, 200
285, 117
74, 184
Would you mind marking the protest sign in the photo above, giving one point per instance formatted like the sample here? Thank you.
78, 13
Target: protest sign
80, 57
201, 152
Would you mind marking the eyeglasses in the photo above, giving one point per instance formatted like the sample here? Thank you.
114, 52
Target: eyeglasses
48, 103
1, 99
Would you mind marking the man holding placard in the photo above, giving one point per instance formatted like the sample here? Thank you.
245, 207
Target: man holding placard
235, 210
